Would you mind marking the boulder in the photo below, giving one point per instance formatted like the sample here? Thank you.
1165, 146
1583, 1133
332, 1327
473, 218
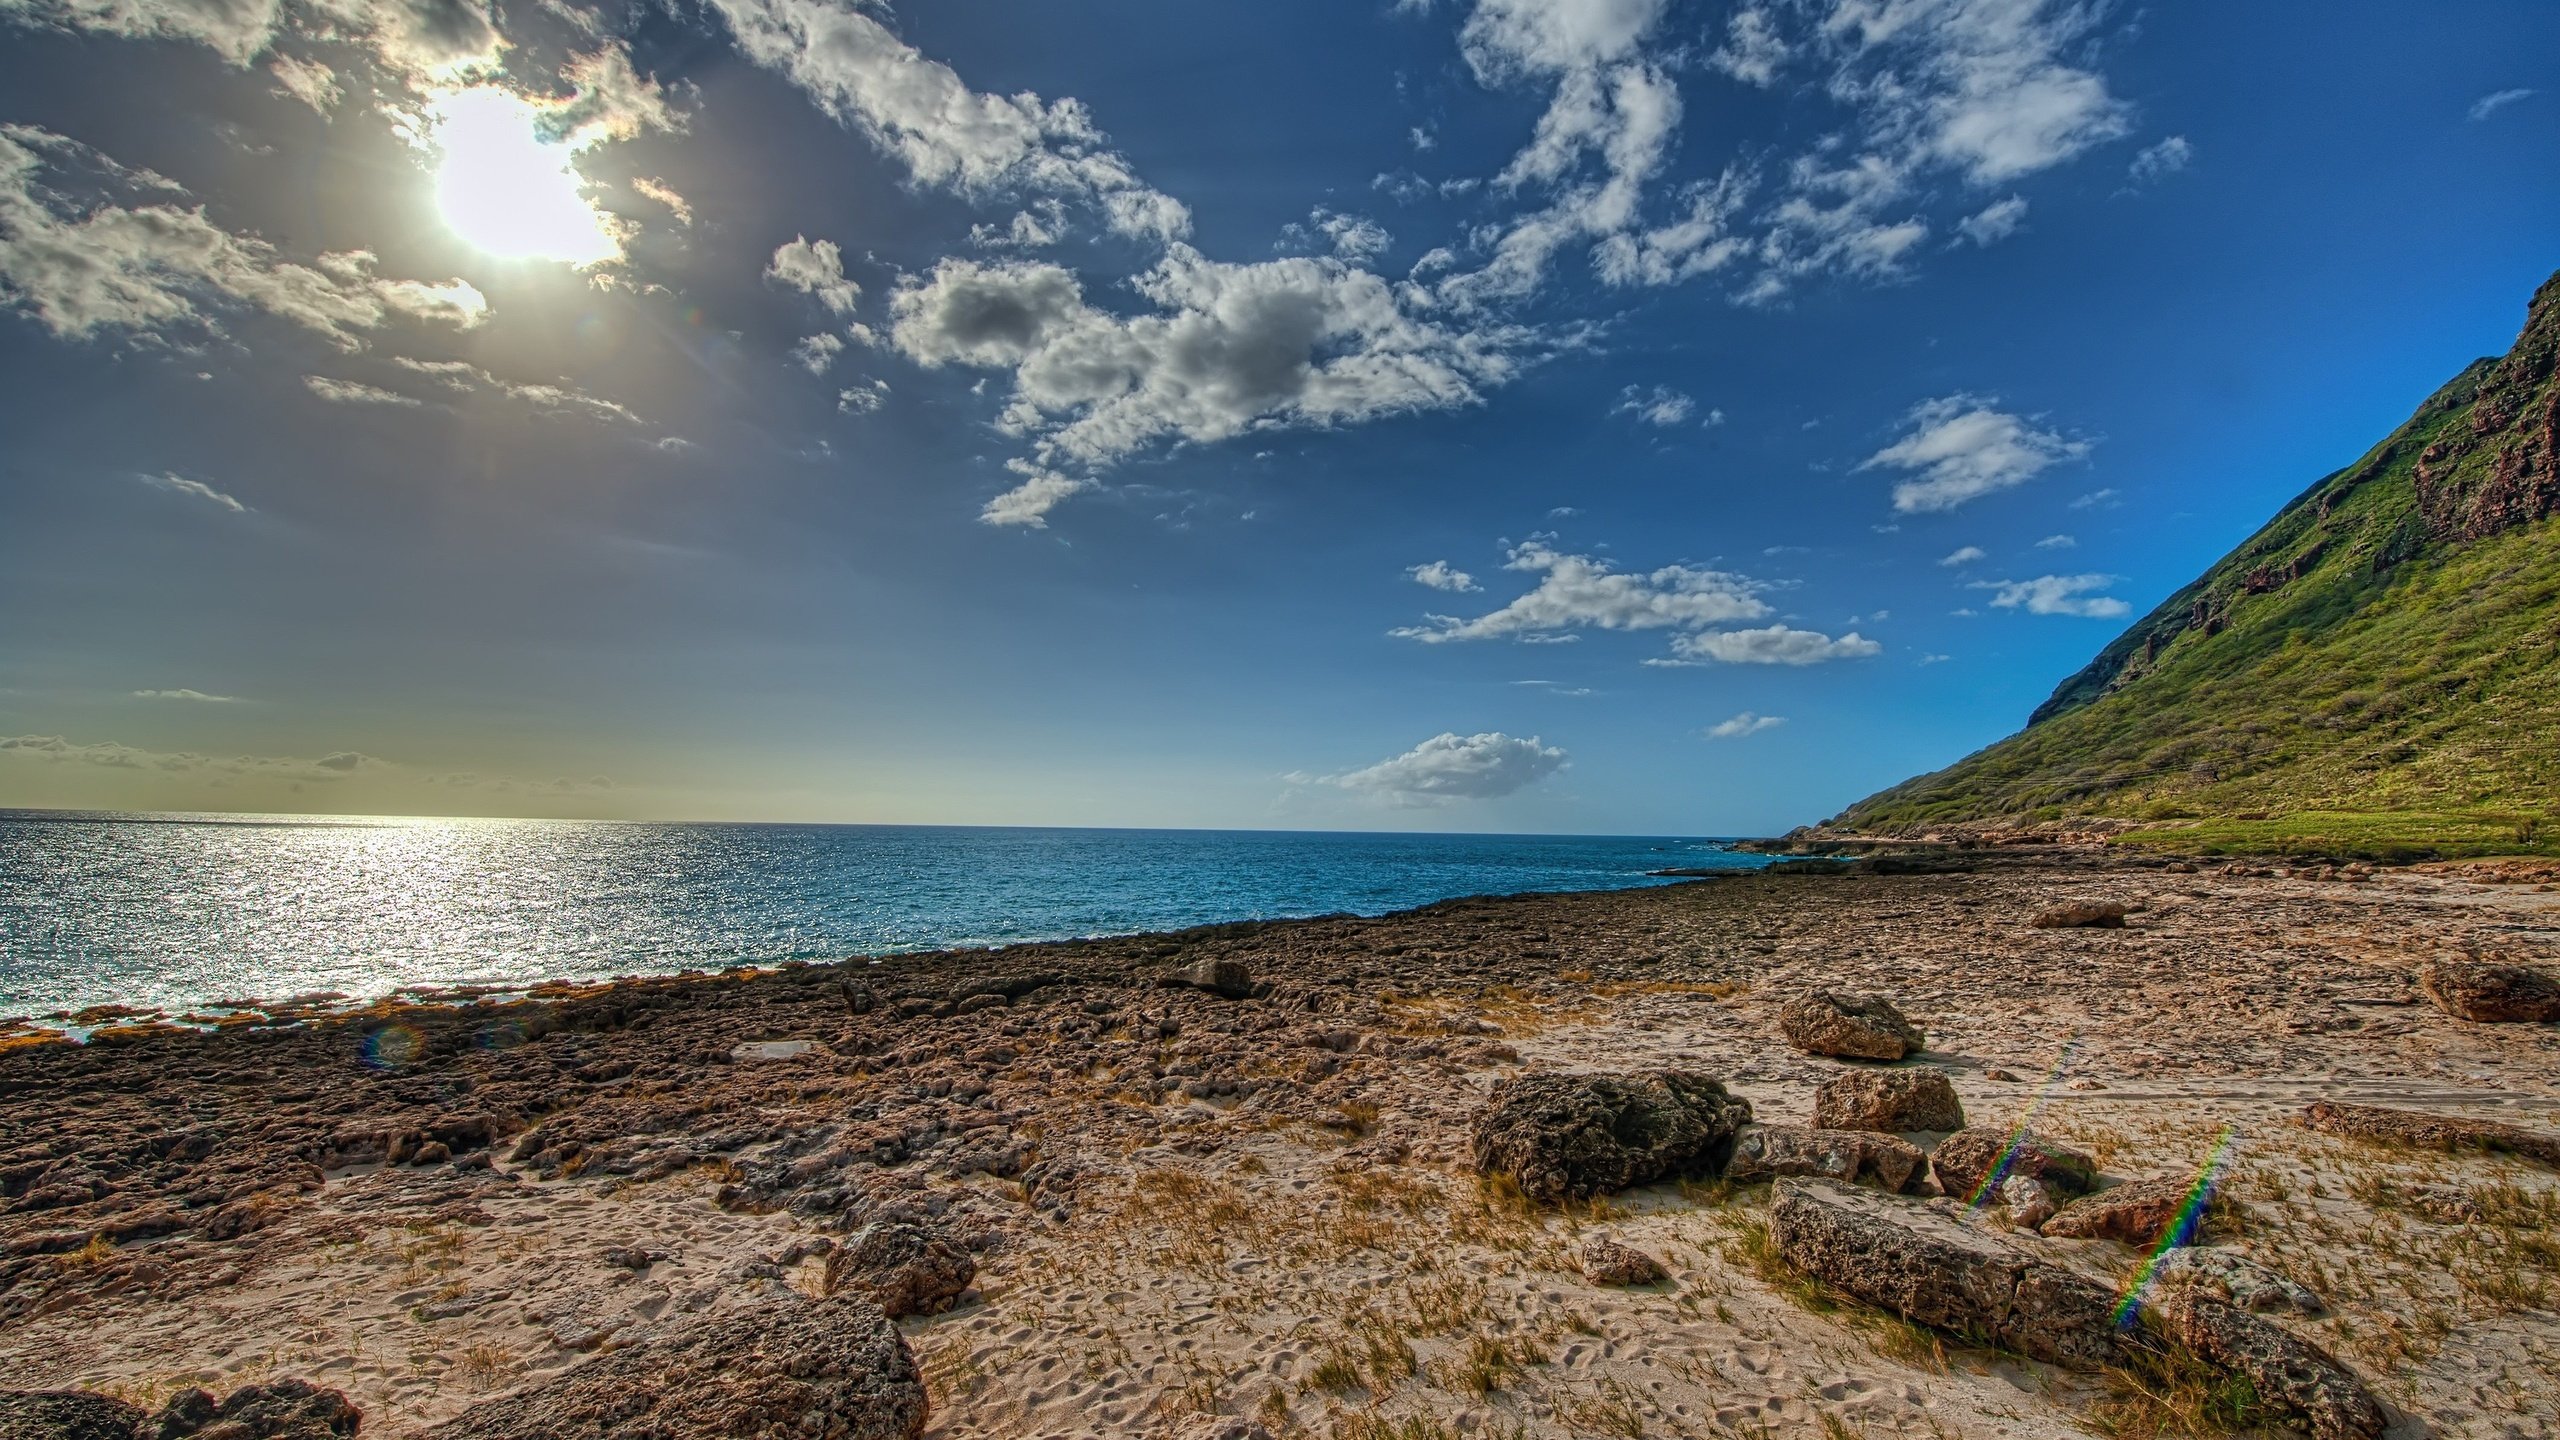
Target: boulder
835, 1368
2138, 1212
2432, 1132
904, 1269
67, 1415
2290, 1375
1231, 979
2027, 1202
1922, 1263
1567, 1136
1895, 1101
1860, 1157
2082, 915
2490, 993
278, 1410
1966, 1160
2234, 1278
1848, 1027
1606, 1262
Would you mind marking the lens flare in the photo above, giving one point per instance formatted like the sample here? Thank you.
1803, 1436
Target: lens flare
1990, 1185
391, 1047
2181, 1231
507, 189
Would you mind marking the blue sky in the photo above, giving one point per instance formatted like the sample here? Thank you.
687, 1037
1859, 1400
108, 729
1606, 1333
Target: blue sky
1593, 415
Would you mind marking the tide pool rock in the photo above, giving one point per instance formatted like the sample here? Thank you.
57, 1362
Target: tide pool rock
1848, 1027
1964, 1160
1858, 1157
1569, 1136
1893, 1101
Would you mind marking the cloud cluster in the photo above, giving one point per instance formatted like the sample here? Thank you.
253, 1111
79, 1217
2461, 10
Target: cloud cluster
2058, 595
1441, 575
410, 39
1450, 767
1658, 405
1580, 592
1962, 448
1746, 723
1770, 645
815, 268
82, 269
464, 378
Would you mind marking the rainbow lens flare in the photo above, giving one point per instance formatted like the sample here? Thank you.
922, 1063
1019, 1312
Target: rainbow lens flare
1990, 1185
2182, 1229
391, 1047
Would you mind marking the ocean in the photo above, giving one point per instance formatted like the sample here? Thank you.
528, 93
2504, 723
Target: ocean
183, 912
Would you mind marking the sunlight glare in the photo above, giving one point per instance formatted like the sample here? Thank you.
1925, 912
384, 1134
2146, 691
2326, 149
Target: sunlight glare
505, 189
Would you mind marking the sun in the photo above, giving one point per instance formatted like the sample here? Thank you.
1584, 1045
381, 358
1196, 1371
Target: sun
507, 190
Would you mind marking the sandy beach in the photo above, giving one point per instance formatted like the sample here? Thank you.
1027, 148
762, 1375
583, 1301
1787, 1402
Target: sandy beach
1220, 1182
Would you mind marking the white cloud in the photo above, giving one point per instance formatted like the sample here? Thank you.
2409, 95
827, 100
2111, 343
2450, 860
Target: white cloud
1773, 645
2497, 100
177, 484
2057, 542
947, 134
1577, 591
1746, 723
412, 39
1994, 222
1441, 575
463, 377
308, 81
1660, 405
1754, 50
2058, 595
194, 696
2162, 160
1962, 449
1507, 37
862, 400
817, 352
84, 268
1355, 238
1029, 503
1450, 767
2095, 499
1965, 555
350, 392
814, 268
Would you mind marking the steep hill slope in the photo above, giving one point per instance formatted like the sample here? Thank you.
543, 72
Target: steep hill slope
2379, 666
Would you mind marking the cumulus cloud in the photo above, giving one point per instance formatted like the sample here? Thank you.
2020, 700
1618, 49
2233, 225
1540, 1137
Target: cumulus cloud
946, 134
1450, 767
1029, 503
2497, 100
1746, 723
1441, 575
193, 696
1580, 592
1964, 555
1994, 222
177, 484
351, 392
1659, 405
1961, 448
2162, 160
1772, 645
816, 269
2057, 542
409, 39
2058, 595
85, 268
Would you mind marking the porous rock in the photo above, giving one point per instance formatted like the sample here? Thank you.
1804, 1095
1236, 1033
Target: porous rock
2490, 993
2230, 1276
2138, 1212
1860, 1157
277, 1410
2288, 1373
834, 1368
1894, 1101
2431, 1132
1606, 1262
1932, 1269
2082, 915
2027, 1201
1965, 1160
1848, 1027
904, 1269
67, 1415
1570, 1136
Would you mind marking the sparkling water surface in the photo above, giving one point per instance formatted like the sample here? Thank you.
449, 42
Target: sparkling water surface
186, 911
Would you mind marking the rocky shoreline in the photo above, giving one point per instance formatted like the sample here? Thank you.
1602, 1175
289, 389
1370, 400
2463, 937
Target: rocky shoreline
1284, 1177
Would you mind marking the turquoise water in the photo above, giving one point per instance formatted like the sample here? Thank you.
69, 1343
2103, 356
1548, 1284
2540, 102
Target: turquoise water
180, 911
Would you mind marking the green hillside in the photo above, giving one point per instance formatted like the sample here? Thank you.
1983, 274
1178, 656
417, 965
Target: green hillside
2378, 669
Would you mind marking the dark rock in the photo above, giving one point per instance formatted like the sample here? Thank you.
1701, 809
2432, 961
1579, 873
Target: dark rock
67, 1415
835, 1368
2289, 1374
1606, 1262
1852, 1027
904, 1269
2490, 993
1565, 1137
1926, 1266
1893, 1101
2137, 1212
1230, 979
278, 1410
1966, 1160
2432, 1132
2082, 915
1860, 1157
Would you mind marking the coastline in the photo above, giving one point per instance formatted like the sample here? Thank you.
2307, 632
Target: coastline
1183, 1199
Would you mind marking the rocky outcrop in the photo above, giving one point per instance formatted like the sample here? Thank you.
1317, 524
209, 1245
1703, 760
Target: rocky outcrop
1966, 1160
1567, 1137
2137, 1212
1859, 1157
1928, 1267
2081, 915
1848, 1027
1897, 1102
833, 1368
67, 1415
2430, 1132
2289, 1374
1606, 1262
278, 1410
904, 1269
2491, 993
